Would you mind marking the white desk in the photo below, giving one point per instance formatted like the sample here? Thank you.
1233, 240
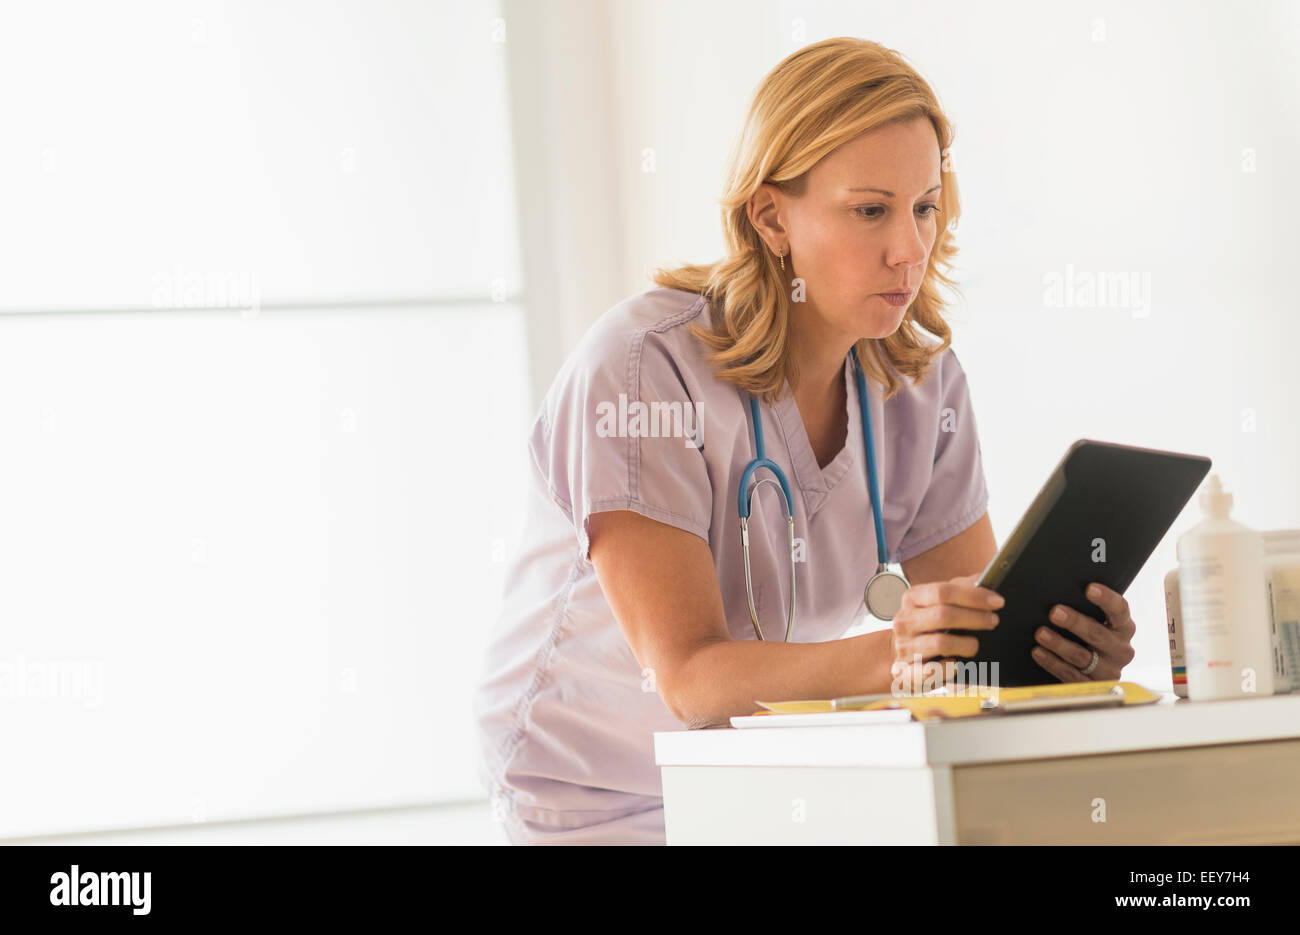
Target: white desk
1176, 772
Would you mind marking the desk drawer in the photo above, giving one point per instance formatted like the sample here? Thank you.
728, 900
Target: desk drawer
1229, 794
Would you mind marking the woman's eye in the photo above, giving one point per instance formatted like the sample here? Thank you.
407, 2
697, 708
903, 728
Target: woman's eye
874, 211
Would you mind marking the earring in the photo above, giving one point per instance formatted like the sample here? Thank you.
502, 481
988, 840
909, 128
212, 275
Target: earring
781, 255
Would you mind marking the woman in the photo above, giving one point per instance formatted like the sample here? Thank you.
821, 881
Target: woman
626, 610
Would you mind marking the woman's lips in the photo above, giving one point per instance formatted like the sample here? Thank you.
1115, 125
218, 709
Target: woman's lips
897, 299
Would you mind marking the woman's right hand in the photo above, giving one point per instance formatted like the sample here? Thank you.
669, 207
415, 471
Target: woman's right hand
922, 650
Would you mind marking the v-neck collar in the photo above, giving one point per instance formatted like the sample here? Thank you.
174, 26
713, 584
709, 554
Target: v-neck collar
817, 482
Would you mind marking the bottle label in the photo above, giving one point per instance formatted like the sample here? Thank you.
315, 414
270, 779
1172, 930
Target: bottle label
1205, 624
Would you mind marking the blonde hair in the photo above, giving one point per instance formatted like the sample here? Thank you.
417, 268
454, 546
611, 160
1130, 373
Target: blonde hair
815, 100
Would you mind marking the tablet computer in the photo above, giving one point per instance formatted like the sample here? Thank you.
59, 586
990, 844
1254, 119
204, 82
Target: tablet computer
1101, 514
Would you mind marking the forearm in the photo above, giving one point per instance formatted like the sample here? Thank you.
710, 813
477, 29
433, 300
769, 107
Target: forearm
723, 678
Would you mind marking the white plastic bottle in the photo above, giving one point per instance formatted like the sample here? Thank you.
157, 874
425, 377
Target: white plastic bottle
1282, 570
1224, 604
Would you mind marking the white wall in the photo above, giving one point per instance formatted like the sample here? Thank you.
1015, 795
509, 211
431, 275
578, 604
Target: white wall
264, 394
571, 216
307, 142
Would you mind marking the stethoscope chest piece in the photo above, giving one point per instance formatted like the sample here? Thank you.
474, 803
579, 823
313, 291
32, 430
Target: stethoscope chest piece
884, 594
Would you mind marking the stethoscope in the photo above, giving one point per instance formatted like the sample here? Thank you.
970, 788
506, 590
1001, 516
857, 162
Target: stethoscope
884, 592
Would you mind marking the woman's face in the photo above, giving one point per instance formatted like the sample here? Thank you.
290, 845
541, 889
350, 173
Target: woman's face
865, 226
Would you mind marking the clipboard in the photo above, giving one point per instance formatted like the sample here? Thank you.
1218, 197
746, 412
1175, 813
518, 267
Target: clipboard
967, 702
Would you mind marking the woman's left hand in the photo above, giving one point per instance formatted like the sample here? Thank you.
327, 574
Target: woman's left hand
1112, 640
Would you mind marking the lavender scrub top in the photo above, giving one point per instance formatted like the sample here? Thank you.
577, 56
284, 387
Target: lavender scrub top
566, 715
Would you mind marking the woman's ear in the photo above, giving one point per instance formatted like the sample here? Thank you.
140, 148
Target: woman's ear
764, 213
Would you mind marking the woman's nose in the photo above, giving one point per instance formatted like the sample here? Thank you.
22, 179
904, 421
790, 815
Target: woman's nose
906, 248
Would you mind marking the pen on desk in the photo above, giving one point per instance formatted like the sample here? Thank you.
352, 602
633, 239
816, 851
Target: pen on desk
1113, 697
856, 702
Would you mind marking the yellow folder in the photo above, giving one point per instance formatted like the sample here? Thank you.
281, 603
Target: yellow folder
978, 700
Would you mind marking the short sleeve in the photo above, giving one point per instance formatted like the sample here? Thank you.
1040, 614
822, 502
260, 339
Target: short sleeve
956, 494
619, 431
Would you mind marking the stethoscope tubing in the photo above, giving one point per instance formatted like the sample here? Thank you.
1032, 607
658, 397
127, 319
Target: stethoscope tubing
745, 497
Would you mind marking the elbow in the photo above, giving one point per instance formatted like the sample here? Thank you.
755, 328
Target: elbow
691, 696
694, 717
682, 705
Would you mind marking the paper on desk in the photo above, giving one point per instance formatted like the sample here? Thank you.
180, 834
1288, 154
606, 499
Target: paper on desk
879, 716
931, 706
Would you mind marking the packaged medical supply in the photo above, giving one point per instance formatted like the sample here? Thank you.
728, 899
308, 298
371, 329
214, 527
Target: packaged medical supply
1174, 621
1282, 574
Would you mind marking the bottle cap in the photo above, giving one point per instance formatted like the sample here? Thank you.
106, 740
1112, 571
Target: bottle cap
1214, 500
